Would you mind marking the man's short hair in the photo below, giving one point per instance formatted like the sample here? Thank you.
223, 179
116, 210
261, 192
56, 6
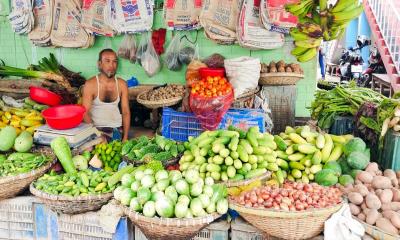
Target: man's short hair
106, 50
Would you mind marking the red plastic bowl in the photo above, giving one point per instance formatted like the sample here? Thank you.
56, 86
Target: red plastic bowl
64, 116
212, 72
44, 96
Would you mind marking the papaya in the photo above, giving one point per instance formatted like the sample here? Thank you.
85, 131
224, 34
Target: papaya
326, 177
24, 142
355, 144
7, 138
335, 166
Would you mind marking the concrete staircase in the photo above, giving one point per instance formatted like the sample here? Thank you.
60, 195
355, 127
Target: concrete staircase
384, 19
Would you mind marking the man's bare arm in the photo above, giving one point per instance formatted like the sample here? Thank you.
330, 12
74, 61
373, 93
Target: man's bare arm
126, 113
87, 99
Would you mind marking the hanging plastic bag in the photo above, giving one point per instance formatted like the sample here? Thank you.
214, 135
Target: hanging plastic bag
141, 49
132, 48
210, 110
149, 60
188, 50
171, 55
124, 47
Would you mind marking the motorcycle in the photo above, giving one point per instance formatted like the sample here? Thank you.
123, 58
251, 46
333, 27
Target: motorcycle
375, 66
351, 62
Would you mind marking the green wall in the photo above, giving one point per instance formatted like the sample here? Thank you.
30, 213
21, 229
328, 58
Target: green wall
17, 50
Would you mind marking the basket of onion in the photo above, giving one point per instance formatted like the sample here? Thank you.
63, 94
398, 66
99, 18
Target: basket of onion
292, 211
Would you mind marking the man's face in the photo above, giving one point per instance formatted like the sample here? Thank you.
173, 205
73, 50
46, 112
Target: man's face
108, 64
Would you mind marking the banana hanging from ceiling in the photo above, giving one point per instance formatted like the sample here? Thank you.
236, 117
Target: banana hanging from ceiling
319, 22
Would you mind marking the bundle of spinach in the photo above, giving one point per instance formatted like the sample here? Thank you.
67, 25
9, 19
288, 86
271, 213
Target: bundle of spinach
340, 101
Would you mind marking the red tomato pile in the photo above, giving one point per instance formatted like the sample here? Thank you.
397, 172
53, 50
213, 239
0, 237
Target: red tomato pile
211, 87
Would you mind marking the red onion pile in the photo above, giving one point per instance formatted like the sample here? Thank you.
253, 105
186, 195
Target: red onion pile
292, 196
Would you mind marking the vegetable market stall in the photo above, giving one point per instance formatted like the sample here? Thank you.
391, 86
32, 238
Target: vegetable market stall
225, 158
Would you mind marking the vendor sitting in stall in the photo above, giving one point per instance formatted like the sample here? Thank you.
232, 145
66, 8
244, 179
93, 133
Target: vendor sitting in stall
103, 95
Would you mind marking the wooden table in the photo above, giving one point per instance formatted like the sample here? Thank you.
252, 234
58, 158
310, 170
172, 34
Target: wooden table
332, 69
382, 82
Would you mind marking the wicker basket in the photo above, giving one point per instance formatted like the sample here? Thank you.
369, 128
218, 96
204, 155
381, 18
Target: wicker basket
71, 205
11, 186
287, 225
280, 78
377, 233
169, 228
158, 104
239, 183
246, 100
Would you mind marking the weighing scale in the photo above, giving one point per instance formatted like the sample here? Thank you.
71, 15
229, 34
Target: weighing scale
76, 137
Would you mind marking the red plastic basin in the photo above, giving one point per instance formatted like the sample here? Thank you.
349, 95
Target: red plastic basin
44, 96
64, 116
212, 72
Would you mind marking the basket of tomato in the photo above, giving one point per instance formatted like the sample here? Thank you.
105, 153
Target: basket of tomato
210, 99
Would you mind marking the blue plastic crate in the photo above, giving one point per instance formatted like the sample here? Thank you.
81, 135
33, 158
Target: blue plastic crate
180, 125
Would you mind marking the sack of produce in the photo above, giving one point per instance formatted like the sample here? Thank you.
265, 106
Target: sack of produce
93, 17
129, 16
171, 55
68, 17
243, 73
250, 32
188, 50
274, 16
219, 19
182, 15
127, 48
43, 13
210, 99
21, 17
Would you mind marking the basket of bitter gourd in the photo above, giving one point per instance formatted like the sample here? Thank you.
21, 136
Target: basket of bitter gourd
233, 157
77, 190
20, 167
143, 149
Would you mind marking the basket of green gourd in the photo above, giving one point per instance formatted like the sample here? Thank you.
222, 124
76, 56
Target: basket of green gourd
141, 150
19, 168
169, 204
79, 189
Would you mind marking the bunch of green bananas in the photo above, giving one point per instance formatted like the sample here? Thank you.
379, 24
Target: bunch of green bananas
307, 39
318, 21
300, 9
340, 15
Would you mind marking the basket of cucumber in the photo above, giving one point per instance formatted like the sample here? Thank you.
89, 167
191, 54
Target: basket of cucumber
74, 193
18, 170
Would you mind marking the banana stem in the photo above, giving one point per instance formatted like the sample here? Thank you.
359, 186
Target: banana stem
323, 11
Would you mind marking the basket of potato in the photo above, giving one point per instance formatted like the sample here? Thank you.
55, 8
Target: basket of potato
280, 73
374, 200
